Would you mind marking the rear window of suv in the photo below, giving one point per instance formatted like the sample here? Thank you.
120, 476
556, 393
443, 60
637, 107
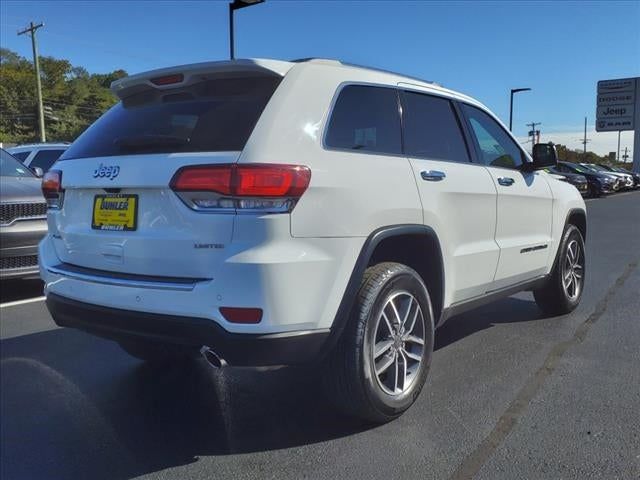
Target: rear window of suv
365, 119
211, 116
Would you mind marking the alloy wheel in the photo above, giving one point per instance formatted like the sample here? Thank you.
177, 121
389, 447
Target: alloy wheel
398, 347
573, 270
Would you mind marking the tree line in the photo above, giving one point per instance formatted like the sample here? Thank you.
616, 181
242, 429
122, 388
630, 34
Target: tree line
72, 98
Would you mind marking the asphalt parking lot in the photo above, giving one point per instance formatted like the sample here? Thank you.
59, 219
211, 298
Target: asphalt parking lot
511, 395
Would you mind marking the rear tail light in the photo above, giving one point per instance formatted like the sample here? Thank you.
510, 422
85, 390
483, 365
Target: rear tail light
260, 188
52, 189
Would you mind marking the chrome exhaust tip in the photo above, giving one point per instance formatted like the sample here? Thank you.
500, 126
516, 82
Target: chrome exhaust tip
211, 357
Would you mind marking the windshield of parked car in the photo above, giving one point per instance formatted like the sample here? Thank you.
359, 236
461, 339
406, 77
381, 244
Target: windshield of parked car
11, 167
577, 168
596, 168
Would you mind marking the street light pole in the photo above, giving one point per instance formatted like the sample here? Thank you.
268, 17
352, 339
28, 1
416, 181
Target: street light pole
514, 90
233, 6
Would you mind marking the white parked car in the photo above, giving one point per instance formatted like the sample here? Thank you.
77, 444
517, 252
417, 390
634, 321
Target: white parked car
269, 212
38, 155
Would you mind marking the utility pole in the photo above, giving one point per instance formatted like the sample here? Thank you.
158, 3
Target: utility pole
532, 132
34, 44
584, 141
618, 156
625, 157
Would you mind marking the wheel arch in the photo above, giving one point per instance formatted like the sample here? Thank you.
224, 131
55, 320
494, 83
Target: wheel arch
396, 243
577, 217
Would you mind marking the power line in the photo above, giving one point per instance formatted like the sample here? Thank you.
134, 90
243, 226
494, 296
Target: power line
59, 102
56, 102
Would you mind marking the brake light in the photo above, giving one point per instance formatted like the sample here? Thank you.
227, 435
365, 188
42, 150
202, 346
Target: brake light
267, 188
168, 79
52, 188
203, 179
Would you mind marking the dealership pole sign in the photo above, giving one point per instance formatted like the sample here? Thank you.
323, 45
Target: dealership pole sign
616, 105
618, 109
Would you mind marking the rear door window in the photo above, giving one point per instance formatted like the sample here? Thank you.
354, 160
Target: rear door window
45, 158
365, 119
22, 156
211, 116
431, 128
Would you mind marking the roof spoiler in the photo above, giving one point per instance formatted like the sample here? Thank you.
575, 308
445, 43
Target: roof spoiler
183, 75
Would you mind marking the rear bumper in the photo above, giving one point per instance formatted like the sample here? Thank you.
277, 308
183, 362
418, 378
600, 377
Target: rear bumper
239, 349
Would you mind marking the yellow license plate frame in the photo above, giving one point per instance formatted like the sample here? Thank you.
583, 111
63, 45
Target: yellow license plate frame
115, 212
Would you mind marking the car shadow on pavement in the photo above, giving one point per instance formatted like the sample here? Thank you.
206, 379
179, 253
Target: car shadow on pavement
13, 290
75, 406
508, 310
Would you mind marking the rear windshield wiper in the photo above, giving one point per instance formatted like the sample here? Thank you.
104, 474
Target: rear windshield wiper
150, 142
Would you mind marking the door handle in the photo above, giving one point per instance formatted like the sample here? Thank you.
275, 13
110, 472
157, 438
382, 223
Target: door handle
506, 181
432, 175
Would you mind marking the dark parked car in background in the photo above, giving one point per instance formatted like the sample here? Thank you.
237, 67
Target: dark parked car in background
577, 180
23, 219
599, 183
625, 179
636, 176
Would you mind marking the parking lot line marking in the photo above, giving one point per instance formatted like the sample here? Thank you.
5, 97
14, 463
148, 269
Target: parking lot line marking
21, 302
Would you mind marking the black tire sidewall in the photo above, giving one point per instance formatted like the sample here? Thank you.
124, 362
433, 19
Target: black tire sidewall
402, 280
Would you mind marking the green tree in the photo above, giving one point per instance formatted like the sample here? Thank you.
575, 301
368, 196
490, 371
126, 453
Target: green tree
75, 98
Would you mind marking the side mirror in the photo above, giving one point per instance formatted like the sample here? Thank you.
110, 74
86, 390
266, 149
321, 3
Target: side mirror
544, 155
38, 172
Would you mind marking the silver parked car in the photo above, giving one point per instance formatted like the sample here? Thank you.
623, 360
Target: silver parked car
23, 219
41, 155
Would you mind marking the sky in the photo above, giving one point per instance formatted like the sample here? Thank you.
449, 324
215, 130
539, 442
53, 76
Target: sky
483, 49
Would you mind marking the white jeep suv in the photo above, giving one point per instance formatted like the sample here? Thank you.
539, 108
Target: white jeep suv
296, 212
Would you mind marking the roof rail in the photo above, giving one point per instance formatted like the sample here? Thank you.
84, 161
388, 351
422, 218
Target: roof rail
365, 67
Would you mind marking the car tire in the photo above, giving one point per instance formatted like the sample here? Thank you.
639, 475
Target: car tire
392, 305
562, 291
156, 353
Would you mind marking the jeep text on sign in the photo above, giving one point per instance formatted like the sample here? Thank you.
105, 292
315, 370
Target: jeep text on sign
612, 111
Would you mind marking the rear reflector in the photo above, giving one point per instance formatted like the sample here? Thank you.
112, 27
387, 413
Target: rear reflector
241, 315
52, 188
168, 79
